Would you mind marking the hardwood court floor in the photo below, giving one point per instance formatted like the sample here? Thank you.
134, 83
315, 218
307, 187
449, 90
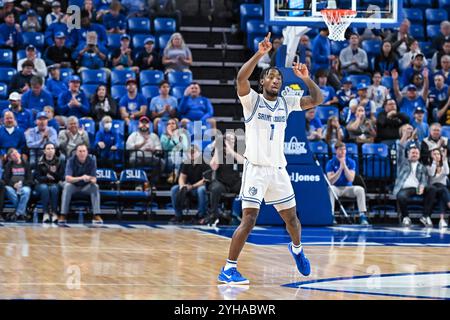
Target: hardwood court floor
165, 262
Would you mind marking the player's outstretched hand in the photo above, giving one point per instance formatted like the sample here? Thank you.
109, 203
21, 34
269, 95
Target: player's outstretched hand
265, 45
300, 70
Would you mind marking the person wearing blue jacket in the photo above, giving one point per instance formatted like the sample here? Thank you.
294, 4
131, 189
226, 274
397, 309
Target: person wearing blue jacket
10, 33
73, 102
24, 117
37, 97
107, 142
11, 136
321, 51
194, 107
78, 37
55, 85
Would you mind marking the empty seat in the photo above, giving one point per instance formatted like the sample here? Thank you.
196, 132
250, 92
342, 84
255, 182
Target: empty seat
3, 91
139, 25
89, 89
277, 31
337, 46
6, 74
372, 47
165, 25
149, 92
178, 92
444, 4
178, 78
150, 77
6, 57
34, 38
94, 77
433, 30
325, 112
66, 73
414, 15
256, 42
417, 32
249, 11
255, 28
163, 39
435, 16
89, 126
118, 91
421, 3
376, 162
445, 131
427, 48
121, 76
320, 151
113, 40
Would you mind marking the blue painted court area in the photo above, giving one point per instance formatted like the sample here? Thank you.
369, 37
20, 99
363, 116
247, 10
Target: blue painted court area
346, 235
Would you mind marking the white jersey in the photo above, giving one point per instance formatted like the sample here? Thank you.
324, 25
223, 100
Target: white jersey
265, 123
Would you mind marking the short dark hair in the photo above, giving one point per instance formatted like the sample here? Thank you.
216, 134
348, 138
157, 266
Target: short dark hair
166, 82
264, 73
36, 80
27, 63
338, 145
82, 145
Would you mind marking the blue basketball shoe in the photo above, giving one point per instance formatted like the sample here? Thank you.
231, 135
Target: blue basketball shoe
302, 262
232, 276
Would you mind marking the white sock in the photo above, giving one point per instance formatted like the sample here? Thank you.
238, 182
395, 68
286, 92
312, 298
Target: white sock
297, 249
230, 264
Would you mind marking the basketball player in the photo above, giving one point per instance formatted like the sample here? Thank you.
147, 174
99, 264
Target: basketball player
265, 176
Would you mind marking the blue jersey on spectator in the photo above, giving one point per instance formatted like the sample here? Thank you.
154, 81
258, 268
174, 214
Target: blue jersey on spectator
24, 118
408, 73
78, 36
37, 103
408, 106
55, 87
321, 50
157, 105
91, 61
110, 22
132, 105
328, 93
64, 109
54, 124
333, 165
9, 32
422, 130
345, 96
54, 28
109, 138
198, 108
14, 140
438, 98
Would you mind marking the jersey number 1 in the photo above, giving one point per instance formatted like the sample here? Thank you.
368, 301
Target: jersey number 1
272, 129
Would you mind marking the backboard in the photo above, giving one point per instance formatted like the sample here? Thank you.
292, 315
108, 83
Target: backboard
370, 13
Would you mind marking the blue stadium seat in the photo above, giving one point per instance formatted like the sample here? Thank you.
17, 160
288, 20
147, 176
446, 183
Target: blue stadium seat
89, 126
387, 82
3, 91
277, 31
129, 196
121, 76
414, 15
249, 11
445, 131
117, 126
256, 42
78, 3
150, 77
138, 25
21, 54
444, 4
337, 46
35, 38
138, 41
149, 92
6, 57
376, 162
178, 78
66, 73
178, 92
320, 150
163, 39
433, 30
165, 26
6, 74
118, 91
427, 48
355, 79
324, 112
417, 32
435, 16
4, 104
134, 125
161, 127
89, 89
255, 28
108, 183
94, 77
113, 41
372, 47
421, 3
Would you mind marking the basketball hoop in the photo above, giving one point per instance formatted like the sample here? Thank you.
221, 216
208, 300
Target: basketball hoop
337, 21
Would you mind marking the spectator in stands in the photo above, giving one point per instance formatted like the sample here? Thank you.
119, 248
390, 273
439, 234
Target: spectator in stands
304, 51
419, 81
438, 173
10, 32
354, 59
190, 182
107, 143
417, 66
411, 181
164, 106
328, 92
409, 102
133, 105
55, 85
91, 57
321, 51
55, 15
346, 93
177, 56
434, 141
194, 107
31, 23
445, 71
389, 122
23, 117
39, 136
135, 8
267, 58
174, 141
333, 131
56, 27
11, 136
90, 9
36, 98
407, 60
148, 59
49, 175
102, 7
52, 122
40, 69
387, 60
69, 138
341, 174
444, 36
20, 82
59, 53
377, 92
437, 56
438, 100
165, 8
102, 104
361, 129
80, 178
408, 135
73, 102
79, 37
401, 40
313, 126
18, 180
362, 99
114, 21
420, 126
122, 57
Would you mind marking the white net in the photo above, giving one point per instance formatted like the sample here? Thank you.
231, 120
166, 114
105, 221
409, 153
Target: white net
337, 22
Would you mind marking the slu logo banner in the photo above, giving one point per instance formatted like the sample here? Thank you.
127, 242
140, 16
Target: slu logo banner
294, 147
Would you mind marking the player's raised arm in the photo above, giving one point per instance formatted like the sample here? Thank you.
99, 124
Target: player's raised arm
243, 85
315, 97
